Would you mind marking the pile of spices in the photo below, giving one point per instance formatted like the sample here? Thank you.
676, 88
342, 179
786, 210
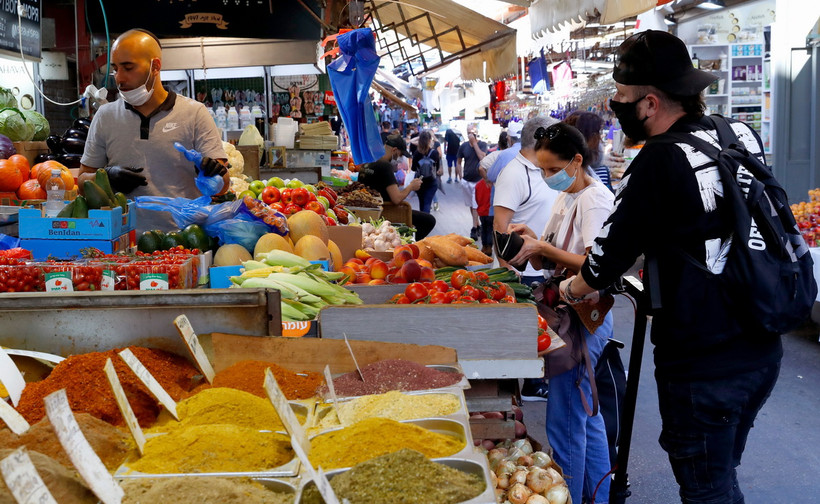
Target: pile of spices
63, 484
110, 443
200, 490
213, 448
394, 374
89, 391
249, 376
374, 437
393, 405
222, 406
405, 477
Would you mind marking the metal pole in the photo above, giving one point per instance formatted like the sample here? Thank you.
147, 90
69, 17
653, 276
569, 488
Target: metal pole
619, 489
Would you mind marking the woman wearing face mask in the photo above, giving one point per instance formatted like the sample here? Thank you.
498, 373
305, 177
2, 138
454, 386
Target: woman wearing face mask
133, 138
579, 212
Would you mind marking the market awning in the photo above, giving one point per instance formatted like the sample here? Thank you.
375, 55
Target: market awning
429, 34
548, 15
225, 52
412, 112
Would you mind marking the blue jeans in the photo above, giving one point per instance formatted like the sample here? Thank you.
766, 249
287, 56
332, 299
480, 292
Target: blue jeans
704, 429
426, 196
579, 441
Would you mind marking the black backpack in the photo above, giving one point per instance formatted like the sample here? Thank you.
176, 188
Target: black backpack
426, 167
768, 278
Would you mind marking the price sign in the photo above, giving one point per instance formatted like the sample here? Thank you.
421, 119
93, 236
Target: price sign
87, 463
187, 332
149, 381
124, 405
14, 420
280, 403
11, 377
23, 480
332, 390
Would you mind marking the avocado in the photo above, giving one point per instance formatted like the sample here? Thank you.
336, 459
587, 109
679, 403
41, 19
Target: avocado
148, 242
80, 208
101, 179
196, 238
95, 196
173, 239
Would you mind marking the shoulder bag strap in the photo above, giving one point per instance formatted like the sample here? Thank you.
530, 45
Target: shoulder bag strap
593, 387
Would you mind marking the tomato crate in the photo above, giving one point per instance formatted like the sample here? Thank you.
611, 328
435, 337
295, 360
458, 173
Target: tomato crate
43, 249
100, 225
71, 276
168, 273
17, 276
113, 268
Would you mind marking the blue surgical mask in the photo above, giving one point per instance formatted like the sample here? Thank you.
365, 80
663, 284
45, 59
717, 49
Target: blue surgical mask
561, 181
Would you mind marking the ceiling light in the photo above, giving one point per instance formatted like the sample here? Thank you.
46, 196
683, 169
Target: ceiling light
711, 5
670, 20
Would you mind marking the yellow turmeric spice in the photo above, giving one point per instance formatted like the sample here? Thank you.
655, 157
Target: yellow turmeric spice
373, 437
394, 405
222, 406
213, 448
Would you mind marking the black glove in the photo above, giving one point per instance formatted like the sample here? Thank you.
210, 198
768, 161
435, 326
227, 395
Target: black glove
211, 167
125, 179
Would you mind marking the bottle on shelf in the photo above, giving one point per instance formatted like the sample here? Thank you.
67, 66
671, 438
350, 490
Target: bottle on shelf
695, 61
221, 118
55, 194
245, 118
233, 119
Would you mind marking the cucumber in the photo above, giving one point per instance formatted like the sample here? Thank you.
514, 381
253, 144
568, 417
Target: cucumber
80, 208
95, 196
101, 179
67, 211
520, 289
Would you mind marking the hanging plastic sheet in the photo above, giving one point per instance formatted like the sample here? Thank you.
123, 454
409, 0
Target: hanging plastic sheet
350, 77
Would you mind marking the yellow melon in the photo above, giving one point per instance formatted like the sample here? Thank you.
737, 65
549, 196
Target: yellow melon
335, 254
231, 255
312, 248
307, 222
271, 241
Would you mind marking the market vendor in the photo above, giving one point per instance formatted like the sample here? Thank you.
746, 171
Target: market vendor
133, 137
381, 176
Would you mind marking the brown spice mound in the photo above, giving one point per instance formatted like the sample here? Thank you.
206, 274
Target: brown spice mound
109, 442
64, 485
89, 391
249, 376
201, 491
393, 374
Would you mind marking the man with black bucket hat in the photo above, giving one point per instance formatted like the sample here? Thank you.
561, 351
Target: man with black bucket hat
713, 372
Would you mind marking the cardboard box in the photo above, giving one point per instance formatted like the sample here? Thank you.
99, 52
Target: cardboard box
347, 238
100, 225
43, 249
221, 276
251, 155
31, 149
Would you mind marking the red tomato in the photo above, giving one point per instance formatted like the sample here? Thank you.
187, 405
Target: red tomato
403, 300
544, 341
480, 275
452, 295
508, 299
438, 298
465, 300
488, 301
440, 286
542, 322
415, 291
499, 290
469, 290
461, 277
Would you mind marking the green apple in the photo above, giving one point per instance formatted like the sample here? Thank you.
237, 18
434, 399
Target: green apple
294, 183
324, 201
276, 182
257, 186
246, 192
332, 215
311, 188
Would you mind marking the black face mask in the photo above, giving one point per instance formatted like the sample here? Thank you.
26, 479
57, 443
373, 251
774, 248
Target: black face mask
627, 115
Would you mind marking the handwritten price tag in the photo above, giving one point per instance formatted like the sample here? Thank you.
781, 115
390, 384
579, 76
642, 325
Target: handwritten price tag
14, 420
187, 332
124, 405
11, 377
149, 381
87, 463
280, 403
23, 480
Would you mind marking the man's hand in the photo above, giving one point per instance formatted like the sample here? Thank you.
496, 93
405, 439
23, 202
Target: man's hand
415, 184
212, 167
125, 179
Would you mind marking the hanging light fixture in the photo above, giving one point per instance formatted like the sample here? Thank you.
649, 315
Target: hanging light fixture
711, 5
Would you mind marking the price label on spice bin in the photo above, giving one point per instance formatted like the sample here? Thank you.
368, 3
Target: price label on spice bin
149, 381
14, 420
10, 377
23, 480
332, 390
124, 405
280, 403
188, 335
87, 463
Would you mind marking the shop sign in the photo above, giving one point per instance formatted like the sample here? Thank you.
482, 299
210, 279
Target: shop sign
11, 29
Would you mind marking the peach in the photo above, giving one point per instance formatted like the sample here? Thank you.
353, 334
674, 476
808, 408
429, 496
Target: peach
427, 274
411, 270
362, 255
379, 270
376, 281
401, 257
362, 278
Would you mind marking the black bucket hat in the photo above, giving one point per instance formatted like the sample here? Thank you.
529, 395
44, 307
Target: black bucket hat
660, 59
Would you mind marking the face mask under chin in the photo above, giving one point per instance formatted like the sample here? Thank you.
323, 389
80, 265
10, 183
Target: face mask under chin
627, 114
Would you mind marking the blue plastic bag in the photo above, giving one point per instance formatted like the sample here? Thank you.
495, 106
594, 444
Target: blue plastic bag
208, 186
185, 211
242, 230
350, 77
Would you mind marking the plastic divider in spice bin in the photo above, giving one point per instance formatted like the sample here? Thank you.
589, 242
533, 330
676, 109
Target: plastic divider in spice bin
470, 465
461, 415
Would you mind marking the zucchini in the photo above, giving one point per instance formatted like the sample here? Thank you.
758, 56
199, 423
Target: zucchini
80, 208
67, 211
101, 179
95, 196
122, 201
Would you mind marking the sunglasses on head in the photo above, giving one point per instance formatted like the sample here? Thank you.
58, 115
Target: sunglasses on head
549, 133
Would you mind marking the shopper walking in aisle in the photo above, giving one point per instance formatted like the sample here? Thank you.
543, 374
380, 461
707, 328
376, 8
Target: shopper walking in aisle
451, 145
133, 137
426, 165
590, 124
714, 370
469, 156
578, 440
381, 176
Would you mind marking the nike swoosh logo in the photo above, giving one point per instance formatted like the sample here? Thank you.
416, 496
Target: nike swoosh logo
169, 127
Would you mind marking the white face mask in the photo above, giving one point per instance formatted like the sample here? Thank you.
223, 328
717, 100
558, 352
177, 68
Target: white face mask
140, 95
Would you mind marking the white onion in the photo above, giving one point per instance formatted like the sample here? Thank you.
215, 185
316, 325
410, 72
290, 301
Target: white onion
537, 499
519, 476
538, 480
519, 493
558, 494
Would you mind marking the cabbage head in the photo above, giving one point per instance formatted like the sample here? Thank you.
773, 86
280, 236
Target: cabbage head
41, 126
7, 99
13, 124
